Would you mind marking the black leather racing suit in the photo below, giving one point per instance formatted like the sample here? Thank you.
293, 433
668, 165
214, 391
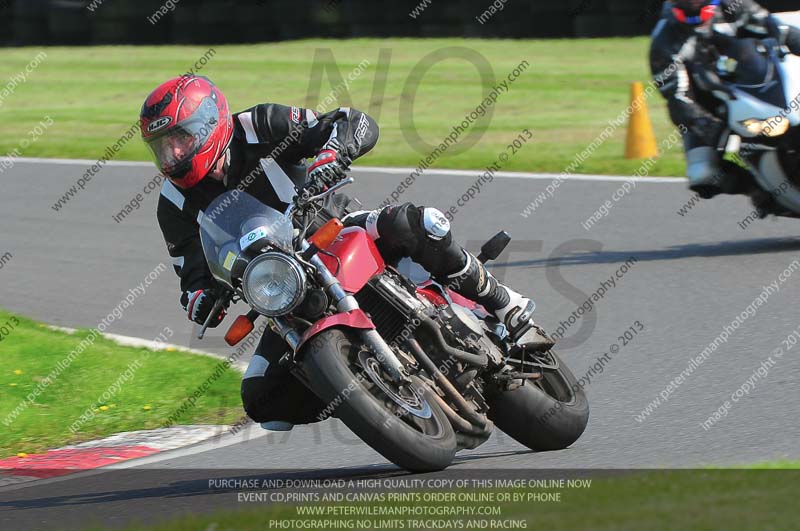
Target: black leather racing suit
676, 47
290, 135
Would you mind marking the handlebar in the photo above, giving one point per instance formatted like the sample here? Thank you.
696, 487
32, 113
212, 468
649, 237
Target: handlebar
225, 298
300, 201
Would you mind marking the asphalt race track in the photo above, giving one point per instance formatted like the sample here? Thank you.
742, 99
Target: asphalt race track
692, 276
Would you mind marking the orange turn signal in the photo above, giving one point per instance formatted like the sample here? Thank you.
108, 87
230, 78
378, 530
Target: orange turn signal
326, 234
239, 330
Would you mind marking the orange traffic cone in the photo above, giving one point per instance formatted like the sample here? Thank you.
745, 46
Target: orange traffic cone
641, 141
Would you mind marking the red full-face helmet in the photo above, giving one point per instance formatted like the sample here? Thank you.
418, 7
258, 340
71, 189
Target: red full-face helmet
695, 12
187, 125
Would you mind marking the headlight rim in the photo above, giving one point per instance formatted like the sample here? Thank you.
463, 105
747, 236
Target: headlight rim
294, 266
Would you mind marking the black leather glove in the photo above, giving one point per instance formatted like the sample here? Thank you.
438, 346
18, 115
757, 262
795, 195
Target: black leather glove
329, 167
198, 304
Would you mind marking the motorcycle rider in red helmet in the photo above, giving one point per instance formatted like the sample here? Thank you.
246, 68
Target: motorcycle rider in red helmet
204, 150
677, 44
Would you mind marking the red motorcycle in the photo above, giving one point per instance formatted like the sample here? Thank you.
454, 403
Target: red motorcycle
416, 371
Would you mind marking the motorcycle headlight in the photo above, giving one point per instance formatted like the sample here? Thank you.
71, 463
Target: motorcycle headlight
274, 284
772, 127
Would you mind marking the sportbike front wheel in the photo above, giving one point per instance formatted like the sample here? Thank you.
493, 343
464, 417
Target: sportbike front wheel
399, 422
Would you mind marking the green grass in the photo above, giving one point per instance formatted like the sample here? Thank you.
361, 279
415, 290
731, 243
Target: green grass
156, 386
657, 500
567, 96
773, 465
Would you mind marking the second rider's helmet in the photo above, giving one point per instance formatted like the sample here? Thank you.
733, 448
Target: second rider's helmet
695, 12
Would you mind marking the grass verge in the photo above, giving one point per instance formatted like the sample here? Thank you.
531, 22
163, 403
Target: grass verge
566, 97
142, 388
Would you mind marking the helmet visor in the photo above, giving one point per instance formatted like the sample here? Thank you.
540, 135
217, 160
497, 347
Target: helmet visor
174, 149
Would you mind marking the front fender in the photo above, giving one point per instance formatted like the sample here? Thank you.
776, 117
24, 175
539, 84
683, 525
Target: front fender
357, 319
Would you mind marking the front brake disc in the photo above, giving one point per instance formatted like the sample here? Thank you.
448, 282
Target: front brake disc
407, 397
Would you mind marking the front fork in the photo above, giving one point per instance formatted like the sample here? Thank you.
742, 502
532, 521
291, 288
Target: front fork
344, 303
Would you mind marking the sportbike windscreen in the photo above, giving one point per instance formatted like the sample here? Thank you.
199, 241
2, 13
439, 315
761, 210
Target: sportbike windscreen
232, 223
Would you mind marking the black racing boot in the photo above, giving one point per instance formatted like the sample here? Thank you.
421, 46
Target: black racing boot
475, 282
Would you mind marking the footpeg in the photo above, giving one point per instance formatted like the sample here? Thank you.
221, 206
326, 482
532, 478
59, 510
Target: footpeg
287, 360
519, 376
533, 341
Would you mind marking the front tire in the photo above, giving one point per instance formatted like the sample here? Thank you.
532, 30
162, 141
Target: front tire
550, 414
417, 445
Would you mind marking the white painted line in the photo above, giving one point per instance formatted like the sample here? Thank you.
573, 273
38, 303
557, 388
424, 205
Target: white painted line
404, 171
137, 342
252, 432
78, 162
521, 175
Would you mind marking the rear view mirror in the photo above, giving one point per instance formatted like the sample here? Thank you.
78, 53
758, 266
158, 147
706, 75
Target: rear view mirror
494, 247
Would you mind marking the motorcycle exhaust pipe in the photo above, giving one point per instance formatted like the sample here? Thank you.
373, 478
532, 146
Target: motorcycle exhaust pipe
433, 328
458, 422
464, 408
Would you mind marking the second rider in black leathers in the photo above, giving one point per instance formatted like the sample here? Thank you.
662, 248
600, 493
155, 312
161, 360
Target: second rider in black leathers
678, 41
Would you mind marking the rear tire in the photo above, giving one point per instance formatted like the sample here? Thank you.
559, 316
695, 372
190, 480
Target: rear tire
328, 365
550, 414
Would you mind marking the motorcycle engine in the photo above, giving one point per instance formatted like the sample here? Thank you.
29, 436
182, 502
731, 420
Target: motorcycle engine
464, 330
392, 304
